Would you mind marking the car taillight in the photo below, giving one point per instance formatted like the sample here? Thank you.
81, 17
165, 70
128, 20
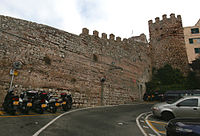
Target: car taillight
42, 101
63, 94
15, 99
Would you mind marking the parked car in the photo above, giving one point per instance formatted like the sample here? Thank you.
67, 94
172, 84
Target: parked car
183, 127
188, 106
154, 96
175, 94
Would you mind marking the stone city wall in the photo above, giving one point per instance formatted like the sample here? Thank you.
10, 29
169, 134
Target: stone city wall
56, 60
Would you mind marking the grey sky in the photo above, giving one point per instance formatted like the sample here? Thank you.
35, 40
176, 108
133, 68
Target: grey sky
124, 18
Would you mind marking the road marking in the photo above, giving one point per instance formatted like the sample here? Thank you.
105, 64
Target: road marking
52, 121
162, 132
142, 121
151, 126
145, 127
28, 115
138, 124
152, 135
158, 122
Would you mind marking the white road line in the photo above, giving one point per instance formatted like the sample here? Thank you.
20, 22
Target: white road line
152, 135
150, 125
138, 124
145, 127
48, 124
52, 121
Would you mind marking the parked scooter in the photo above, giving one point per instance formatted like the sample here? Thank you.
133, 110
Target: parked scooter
39, 102
11, 102
52, 103
25, 102
66, 101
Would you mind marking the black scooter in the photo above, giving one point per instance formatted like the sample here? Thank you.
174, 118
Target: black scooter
25, 102
11, 103
39, 102
66, 101
52, 103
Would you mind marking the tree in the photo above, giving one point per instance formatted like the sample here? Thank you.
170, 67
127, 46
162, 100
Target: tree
192, 82
195, 65
166, 78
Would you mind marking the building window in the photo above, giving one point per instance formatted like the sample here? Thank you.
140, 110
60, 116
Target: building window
195, 30
197, 50
194, 40
197, 40
191, 41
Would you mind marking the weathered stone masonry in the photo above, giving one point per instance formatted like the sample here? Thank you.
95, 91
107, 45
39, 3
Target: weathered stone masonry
56, 60
167, 42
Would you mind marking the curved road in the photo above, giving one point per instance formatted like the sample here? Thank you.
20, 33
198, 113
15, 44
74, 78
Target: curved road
107, 121
102, 121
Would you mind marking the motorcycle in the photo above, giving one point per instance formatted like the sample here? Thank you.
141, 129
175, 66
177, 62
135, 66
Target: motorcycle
25, 102
11, 102
39, 102
66, 101
52, 103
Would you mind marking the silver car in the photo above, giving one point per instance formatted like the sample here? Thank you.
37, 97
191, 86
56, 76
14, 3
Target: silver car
188, 106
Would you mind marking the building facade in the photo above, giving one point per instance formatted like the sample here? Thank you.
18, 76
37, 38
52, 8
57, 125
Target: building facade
192, 41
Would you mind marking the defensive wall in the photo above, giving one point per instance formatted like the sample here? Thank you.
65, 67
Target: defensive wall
167, 42
95, 70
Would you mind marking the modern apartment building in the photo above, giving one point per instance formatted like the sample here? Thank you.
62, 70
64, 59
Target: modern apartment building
192, 41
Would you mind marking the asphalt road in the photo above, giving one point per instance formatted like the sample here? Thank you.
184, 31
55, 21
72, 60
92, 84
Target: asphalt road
107, 121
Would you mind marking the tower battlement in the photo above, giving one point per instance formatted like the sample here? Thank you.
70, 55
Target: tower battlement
171, 19
85, 32
167, 42
166, 27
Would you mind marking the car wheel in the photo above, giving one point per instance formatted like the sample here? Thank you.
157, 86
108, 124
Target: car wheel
167, 116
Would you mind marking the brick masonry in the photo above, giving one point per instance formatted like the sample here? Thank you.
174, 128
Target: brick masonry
56, 60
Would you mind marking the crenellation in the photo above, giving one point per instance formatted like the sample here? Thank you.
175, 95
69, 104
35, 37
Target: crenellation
96, 33
172, 16
164, 17
157, 20
85, 31
150, 22
104, 36
112, 37
118, 39
179, 18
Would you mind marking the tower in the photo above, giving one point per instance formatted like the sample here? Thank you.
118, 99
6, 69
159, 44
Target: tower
167, 42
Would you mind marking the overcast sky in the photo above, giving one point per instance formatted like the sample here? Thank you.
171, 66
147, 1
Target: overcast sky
124, 18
